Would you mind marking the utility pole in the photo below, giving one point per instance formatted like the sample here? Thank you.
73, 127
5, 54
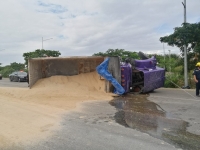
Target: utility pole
185, 52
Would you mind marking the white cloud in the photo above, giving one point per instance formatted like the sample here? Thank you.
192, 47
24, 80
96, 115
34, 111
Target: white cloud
87, 27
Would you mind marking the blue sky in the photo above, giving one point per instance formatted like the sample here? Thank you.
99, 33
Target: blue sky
82, 28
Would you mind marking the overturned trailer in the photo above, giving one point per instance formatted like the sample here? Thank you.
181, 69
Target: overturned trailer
45, 67
141, 76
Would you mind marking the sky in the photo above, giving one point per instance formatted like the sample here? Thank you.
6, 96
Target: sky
85, 27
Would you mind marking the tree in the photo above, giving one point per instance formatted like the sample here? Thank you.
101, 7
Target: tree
40, 53
118, 52
6, 70
0, 67
188, 34
17, 66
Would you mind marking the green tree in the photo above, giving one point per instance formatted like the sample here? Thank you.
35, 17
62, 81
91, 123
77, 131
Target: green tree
40, 53
6, 70
188, 34
0, 67
17, 66
118, 52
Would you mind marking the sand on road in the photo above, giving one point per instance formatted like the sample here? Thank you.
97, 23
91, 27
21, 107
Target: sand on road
29, 115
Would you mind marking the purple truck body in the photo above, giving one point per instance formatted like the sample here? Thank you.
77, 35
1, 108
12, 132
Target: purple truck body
150, 77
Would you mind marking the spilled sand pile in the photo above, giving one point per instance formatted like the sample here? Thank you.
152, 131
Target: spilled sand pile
30, 114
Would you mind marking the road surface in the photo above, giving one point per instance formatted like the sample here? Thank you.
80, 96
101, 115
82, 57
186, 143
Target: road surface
5, 82
167, 119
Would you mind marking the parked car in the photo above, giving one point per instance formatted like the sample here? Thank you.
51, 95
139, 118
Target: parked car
0, 77
18, 76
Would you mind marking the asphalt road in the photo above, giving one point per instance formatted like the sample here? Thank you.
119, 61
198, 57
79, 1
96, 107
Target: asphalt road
166, 119
5, 82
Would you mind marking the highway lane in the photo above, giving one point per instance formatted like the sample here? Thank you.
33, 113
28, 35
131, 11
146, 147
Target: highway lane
5, 82
167, 119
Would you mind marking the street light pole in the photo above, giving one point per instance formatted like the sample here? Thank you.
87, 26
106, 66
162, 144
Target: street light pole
45, 40
185, 51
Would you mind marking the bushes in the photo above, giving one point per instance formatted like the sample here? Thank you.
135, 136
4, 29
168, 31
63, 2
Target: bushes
173, 80
6, 71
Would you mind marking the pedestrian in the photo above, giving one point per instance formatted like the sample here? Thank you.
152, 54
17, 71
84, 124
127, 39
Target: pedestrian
196, 74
